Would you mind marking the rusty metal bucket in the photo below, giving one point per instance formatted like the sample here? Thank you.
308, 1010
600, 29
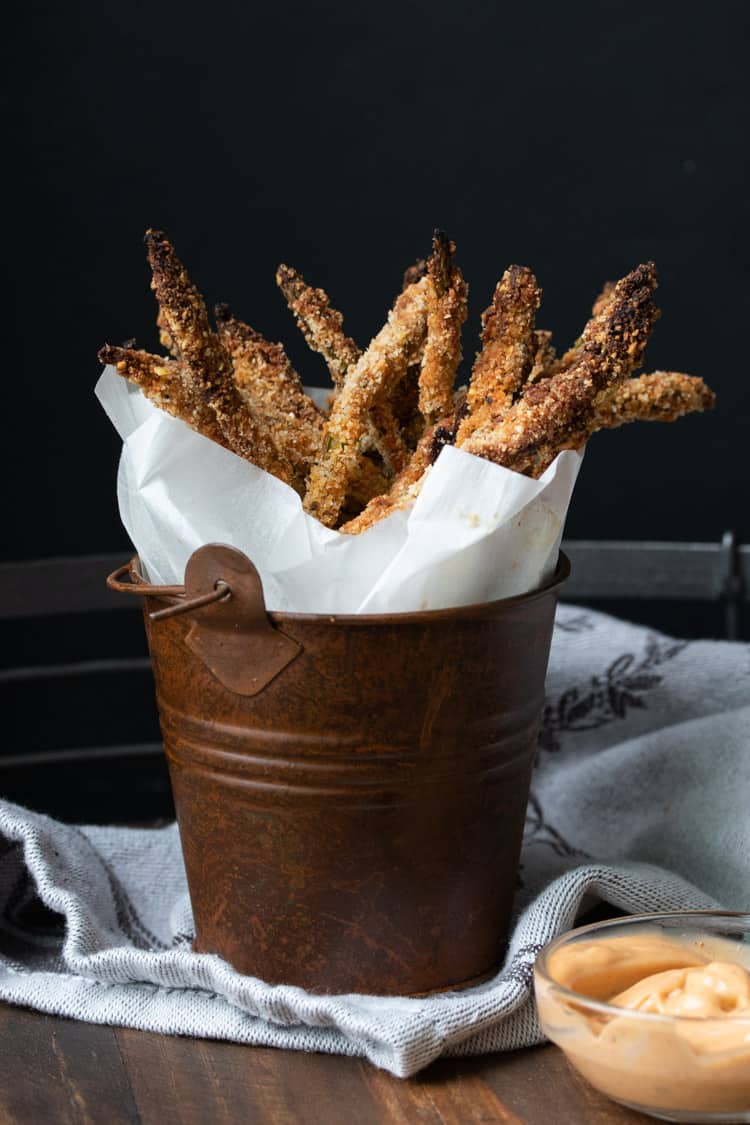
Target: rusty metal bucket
350, 790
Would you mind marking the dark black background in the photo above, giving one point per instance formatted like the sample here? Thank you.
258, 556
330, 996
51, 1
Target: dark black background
577, 138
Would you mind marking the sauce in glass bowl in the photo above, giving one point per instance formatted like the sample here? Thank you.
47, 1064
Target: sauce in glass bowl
654, 1011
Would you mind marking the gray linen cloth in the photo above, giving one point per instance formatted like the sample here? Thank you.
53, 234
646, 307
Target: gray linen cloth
640, 798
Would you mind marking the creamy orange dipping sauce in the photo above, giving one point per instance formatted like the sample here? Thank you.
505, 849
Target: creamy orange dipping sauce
683, 1039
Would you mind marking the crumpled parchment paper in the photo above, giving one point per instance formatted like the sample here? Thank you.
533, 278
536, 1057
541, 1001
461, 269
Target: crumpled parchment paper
476, 532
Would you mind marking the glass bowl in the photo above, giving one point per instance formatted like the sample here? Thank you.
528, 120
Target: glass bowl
688, 1068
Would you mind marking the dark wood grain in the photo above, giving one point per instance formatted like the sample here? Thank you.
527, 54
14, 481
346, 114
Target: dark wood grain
55, 1070
61, 1071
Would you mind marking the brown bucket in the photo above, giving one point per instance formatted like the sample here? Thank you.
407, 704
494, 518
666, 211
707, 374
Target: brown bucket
350, 790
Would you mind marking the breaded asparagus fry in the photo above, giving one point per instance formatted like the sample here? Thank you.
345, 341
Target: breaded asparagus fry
204, 362
183, 322
599, 308
433, 307
183, 316
611, 347
273, 391
321, 325
446, 312
662, 396
508, 348
372, 378
426, 388
161, 381
404, 400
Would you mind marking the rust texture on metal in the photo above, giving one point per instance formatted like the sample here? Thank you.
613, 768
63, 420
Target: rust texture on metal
355, 824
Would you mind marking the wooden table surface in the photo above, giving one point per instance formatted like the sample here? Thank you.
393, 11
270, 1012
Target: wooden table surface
56, 1070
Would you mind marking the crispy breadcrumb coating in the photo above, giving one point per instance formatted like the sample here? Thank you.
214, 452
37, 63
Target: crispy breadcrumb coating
183, 316
161, 380
273, 391
612, 345
378, 370
322, 327
662, 396
509, 346
599, 308
319, 323
447, 295
436, 301
204, 362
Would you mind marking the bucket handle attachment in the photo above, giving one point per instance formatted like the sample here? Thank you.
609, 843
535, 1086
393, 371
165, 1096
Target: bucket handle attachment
233, 634
145, 589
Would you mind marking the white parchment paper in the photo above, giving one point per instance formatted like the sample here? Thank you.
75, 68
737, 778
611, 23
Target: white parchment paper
476, 532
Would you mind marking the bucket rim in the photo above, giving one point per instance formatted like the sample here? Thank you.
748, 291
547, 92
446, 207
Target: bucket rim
474, 611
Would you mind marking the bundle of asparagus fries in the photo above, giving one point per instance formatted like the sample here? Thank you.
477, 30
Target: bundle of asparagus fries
395, 405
